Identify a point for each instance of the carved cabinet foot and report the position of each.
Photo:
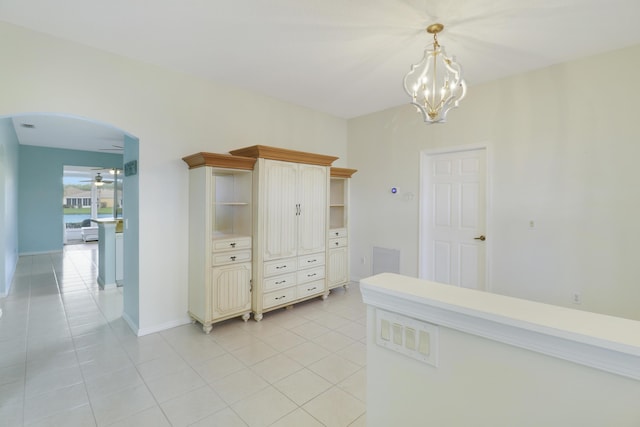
(257, 317)
(246, 316)
(207, 328)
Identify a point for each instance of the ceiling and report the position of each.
(345, 58)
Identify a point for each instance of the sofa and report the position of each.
(89, 231)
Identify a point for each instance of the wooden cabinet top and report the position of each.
(342, 172)
(274, 153)
(219, 160)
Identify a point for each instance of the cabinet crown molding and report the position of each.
(342, 172)
(275, 153)
(219, 160)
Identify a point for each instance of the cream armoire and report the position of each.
(291, 222)
(260, 224)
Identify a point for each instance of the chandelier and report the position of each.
(435, 84)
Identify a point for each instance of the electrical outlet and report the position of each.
(576, 298)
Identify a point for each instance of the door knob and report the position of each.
(481, 238)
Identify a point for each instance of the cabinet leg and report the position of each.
(207, 328)
(345, 286)
(257, 317)
(325, 296)
(246, 316)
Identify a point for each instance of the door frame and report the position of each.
(423, 210)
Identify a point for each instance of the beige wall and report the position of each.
(173, 115)
(563, 147)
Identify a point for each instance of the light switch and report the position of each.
(397, 334)
(424, 344)
(410, 338)
(385, 330)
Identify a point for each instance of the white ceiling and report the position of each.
(343, 57)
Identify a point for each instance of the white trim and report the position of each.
(130, 322)
(424, 155)
(57, 251)
(164, 326)
(554, 338)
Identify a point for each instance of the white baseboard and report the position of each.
(130, 322)
(162, 327)
(57, 251)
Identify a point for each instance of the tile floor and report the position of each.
(68, 359)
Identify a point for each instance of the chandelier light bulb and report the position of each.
(435, 84)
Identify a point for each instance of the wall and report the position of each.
(131, 215)
(440, 355)
(40, 228)
(562, 151)
(173, 115)
(480, 382)
(8, 204)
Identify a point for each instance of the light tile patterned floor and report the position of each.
(68, 359)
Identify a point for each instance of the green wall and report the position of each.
(40, 192)
(8, 204)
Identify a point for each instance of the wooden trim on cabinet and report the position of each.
(219, 160)
(274, 153)
(342, 172)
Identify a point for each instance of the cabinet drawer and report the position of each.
(279, 297)
(340, 242)
(309, 261)
(311, 274)
(278, 282)
(230, 244)
(337, 232)
(279, 266)
(231, 257)
(311, 288)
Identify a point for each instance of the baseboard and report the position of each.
(130, 322)
(162, 327)
(57, 251)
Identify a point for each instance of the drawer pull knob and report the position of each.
(233, 258)
(337, 243)
(311, 275)
(312, 260)
(281, 282)
(283, 296)
(281, 266)
(233, 245)
(311, 289)
(337, 234)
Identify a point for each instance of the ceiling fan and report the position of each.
(98, 180)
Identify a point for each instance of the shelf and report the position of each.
(223, 236)
(231, 203)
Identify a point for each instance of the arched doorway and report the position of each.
(44, 143)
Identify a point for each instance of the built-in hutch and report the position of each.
(220, 237)
(338, 253)
(262, 231)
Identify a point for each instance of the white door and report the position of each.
(453, 219)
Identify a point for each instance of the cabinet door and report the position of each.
(312, 220)
(280, 209)
(231, 291)
(338, 266)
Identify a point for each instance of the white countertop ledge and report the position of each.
(599, 341)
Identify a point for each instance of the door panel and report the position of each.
(312, 219)
(454, 215)
(280, 213)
